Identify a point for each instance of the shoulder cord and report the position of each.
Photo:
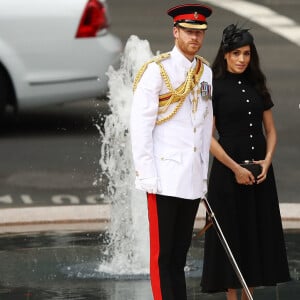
(176, 95)
(142, 70)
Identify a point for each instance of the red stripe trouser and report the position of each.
(171, 223)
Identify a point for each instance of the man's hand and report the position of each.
(150, 185)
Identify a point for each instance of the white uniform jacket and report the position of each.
(176, 151)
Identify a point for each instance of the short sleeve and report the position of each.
(268, 103)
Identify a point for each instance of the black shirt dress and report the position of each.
(248, 215)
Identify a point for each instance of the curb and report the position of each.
(96, 217)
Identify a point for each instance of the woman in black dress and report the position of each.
(246, 207)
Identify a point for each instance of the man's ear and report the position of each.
(175, 32)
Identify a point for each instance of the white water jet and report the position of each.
(128, 247)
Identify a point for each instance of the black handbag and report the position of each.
(255, 169)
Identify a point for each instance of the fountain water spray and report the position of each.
(127, 250)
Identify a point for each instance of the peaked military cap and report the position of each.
(192, 16)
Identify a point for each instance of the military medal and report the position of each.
(205, 90)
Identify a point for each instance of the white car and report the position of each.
(54, 51)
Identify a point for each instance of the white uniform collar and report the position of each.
(182, 60)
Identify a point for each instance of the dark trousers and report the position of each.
(171, 223)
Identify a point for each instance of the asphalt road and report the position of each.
(50, 156)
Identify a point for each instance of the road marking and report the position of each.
(26, 199)
(6, 199)
(59, 199)
(264, 16)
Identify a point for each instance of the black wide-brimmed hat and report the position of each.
(191, 16)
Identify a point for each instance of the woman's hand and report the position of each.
(244, 176)
(265, 164)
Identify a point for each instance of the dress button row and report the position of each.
(250, 124)
(249, 113)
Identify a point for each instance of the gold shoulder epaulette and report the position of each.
(157, 59)
(203, 60)
(160, 57)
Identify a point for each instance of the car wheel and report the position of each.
(5, 90)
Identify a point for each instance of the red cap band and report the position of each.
(191, 17)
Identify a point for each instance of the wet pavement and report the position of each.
(65, 265)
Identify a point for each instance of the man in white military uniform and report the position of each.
(171, 128)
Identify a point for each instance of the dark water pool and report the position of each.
(63, 265)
